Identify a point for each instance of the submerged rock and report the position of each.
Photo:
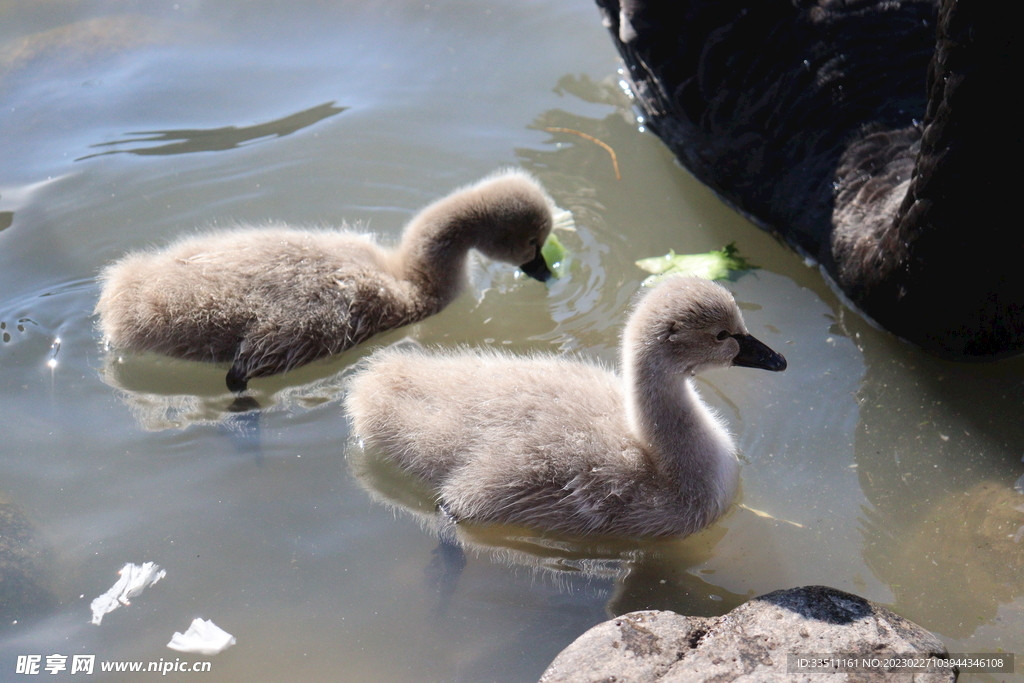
(24, 577)
(750, 643)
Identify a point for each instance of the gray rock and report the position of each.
(24, 575)
(749, 644)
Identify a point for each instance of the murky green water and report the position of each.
(877, 469)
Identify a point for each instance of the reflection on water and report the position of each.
(644, 574)
(218, 139)
(168, 393)
(896, 471)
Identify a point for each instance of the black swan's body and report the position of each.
(872, 135)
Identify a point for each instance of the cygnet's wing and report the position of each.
(493, 414)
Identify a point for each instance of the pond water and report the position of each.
(867, 465)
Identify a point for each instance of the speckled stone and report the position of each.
(749, 644)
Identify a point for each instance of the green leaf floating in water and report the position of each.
(714, 265)
(554, 255)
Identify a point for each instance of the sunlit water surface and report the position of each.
(868, 466)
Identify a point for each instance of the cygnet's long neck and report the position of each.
(433, 252)
(686, 442)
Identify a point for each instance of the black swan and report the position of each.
(866, 133)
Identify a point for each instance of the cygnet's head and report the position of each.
(514, 215)
(692, 325)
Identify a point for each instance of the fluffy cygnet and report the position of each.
(557, 444)
(274, 298)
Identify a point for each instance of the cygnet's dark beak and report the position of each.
(537, 268)
(754, 353)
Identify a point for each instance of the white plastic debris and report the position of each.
(134, 578)
(203, 637)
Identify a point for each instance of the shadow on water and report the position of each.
(186, 141)
(6, 218)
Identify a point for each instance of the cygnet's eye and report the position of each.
(533, 241)
(723, 335)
